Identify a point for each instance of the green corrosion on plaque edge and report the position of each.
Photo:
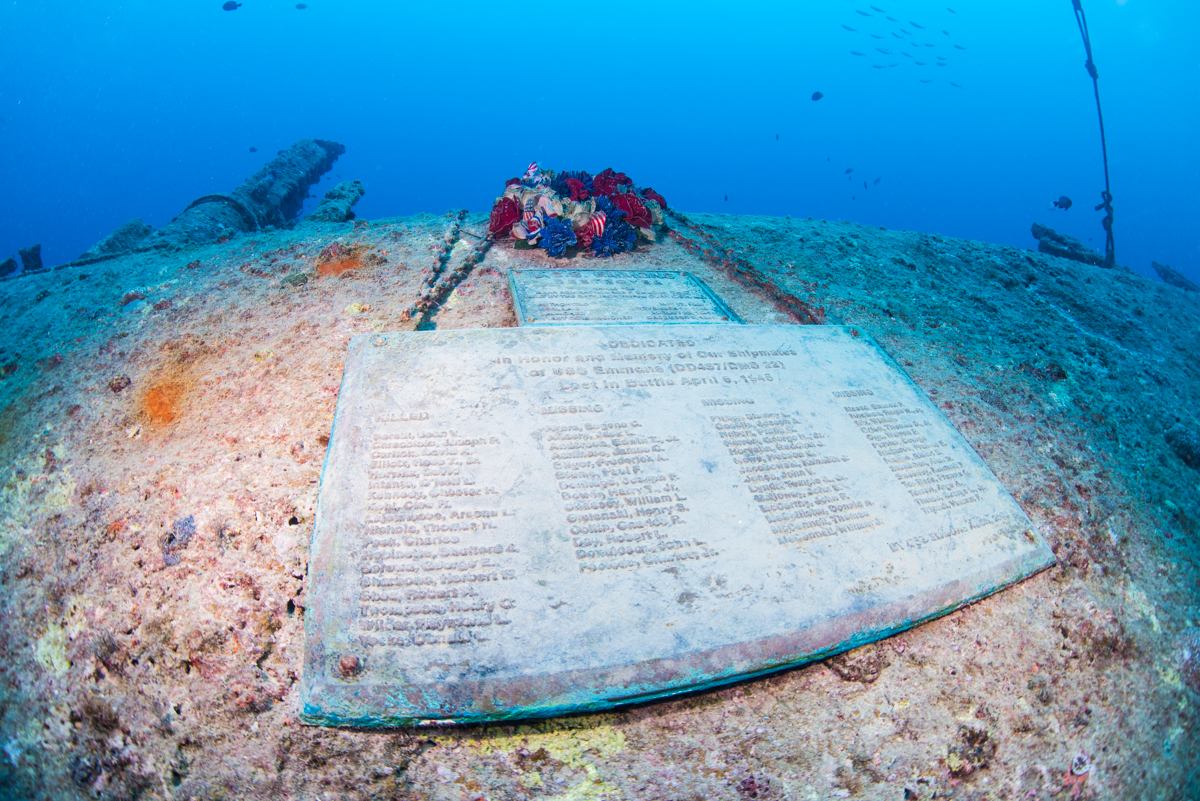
(314, 716)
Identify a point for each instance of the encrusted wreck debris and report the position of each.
(338, 203)
(1170, 275)
(123, 240)
(272, 197)
(1066, 247)
(31, 259)
(31, 262)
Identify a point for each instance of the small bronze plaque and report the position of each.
(614, 297)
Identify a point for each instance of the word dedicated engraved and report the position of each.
(532, 521)
(574, 297)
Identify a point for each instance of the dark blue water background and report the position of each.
(112, 110)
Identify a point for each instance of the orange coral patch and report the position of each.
(339, 266)
(162, 403)
(338, 259)
(164, 395)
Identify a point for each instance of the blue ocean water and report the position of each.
(122, 109)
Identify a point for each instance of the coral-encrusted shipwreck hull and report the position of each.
(151, 656)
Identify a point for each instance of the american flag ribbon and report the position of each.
(529, 210)
(596, 223)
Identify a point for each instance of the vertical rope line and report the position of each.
(1105, 205)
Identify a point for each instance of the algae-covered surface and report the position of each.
(164, 416)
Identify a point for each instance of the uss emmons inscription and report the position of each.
(574, 297)
(525, 522)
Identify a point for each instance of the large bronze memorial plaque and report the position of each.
(614, 297)
(526, 522)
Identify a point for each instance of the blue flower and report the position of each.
(618, 237)
(556, 237)
(559, 184)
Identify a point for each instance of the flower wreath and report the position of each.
(569, 212)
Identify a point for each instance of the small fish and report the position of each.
(877, 8)
(776, 137)
(930, 44)
(920, 63)
(864, 184)
(1063, 203)
(951, 10)
(892, 19)
(531, 170)
(727, 198)
(815, 97)
(898, 36)
(959, 47)
(883, 50)
(231, 6)
(857, 53)
(301, 6)
(253, 149)
(916, 24)
(848, 28)
(877, 36)
(906, 55)
(927, 80)
(876, 181)
(861, 13)
(849, 170)
(956, 85)
(879, 66)
(945, 32)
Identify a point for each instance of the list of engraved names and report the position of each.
(798, 481)
(440, 549)
(918, 456)
(428, 545)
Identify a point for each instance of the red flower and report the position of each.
(506, 212)
(636, 213)
(583, 237)
(608, 182)
(650, 194)
(578, 190)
